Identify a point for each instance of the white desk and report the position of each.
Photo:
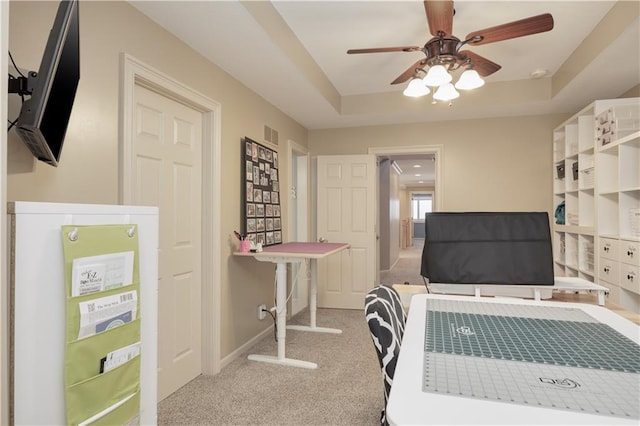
(409, 405)
(537, 292)
(294, 252)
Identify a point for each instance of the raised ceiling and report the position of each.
(293, 53)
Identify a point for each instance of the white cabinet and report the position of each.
(596, 155)
(38, 304)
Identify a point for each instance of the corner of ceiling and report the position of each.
(621, 16)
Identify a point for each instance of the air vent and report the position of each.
(270, 135)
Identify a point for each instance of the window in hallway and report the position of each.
(420, 205)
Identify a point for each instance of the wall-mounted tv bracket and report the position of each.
(23, 85)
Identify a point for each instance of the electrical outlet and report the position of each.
(261, 312)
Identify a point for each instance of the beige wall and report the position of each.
(88, 171)
(491, 164)
(634, 92)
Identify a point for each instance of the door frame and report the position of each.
(438, 150)
(298, 150)
(132, 72)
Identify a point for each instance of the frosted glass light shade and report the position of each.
(469, 80)
(437, 76)
(446, 92)
(416, 88)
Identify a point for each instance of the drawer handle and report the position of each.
(606, 248)
(630, 253)
(630, 277)
(607, 269)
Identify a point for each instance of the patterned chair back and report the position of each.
(386, 319)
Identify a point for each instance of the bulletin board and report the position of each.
(261, 214)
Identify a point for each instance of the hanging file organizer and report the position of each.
(102, 354)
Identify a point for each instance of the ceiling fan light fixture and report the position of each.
(437, 76)
(470, 79)
(416, 88)
(446, 92)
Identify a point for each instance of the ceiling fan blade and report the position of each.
(439, 16)
(409, 72)
(482, 65)
(385, 49)
(533, 25)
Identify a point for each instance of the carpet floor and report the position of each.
(345, 389)
(406, 270)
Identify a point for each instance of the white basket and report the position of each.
(587, 178)
(634, 221)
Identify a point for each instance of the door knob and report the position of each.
(322, 240)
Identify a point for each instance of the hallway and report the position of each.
(407, 268)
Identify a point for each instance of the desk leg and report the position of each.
(536, 295)
(281, 322)
(313, 303)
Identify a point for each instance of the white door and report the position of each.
(298, 228)
(167, 170)
(346, 212)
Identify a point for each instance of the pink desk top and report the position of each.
(299, 249)
(306, 248)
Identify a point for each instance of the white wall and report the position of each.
(4, 332)
(384, 224)
(394, 216)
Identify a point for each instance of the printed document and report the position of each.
(98, 273)
(119, 356)
(104, 313)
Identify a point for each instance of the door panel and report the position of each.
(167, 147)
(346, 213)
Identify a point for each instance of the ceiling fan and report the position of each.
(444, 48)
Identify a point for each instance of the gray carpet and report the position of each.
(407, 269)
(345, 389)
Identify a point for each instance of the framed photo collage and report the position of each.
(261, 214)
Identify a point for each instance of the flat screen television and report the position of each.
(44, 117)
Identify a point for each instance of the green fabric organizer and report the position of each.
(93, 397)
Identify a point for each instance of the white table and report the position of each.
(409, 405)
(537, 292)
(294, 252)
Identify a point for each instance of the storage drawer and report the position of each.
(630, 277)
(630, 252)
(609, 248)
(608, 270)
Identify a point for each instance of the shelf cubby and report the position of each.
(629, 214)
(629, 171)
(608, 165)
(585, 208)
(597, 152)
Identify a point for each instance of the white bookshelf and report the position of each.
(598, 149)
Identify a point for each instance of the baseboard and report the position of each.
(383, 271)
(235, 354)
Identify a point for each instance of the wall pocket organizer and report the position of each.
(102, 353)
